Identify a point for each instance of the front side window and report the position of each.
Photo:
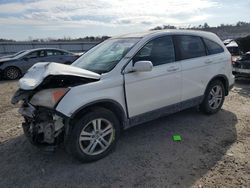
(213, 47)
(159, 51)
(189, 47)
(105, 56)
(32, 55)
(42, 53)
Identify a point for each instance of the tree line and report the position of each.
(204, 26)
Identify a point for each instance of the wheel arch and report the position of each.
(109, 104)
(224, 81)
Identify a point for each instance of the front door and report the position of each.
(31, 59)
(161, 87)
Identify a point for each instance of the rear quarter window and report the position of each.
(189, 47)
(213, 47)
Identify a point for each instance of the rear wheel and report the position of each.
(214, 97)
(94, 135)
(12, 73)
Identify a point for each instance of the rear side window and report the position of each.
(58, 52)
(53, 52)
(213, 47)
(159, 51)
(189, 47)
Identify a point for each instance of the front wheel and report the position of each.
(94, 135)
(12, 73)
(214, 97)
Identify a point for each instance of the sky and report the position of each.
(24, 19)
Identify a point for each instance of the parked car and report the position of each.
(120, 83)
(241, 68)
(14, 67)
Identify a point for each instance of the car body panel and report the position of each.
(198, 72)
(39, 71)
(148, 91)
(107, 88)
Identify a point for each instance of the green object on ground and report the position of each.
(177, 138)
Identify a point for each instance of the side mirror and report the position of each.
(143, 66)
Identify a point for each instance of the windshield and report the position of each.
(22, 54)
(18, 53)
(104, 57)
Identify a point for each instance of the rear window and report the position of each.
(189, 47)
(213, 47)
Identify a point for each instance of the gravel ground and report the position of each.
(214, 152)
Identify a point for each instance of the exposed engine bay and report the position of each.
(42, 126)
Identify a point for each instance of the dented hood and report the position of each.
(38, 72)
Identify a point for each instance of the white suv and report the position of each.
(122, 82)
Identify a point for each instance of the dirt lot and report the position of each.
(215, 151)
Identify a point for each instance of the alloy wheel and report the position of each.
(96, 136)
(12, 73)
(215, 97)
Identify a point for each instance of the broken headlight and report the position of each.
(48, 97)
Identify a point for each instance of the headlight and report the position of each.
(48, 97)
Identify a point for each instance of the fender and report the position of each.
(224, 80)
(110, 104)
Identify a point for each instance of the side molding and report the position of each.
(148, 116)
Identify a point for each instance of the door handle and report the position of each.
(172, 69)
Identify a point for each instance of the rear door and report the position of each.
(161, 87)
(191, 53)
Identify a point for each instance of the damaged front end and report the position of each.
(41, 89)
(43, 126)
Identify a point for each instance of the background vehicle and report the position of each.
(120, 83)
(233, 48)
(14, 67)
(241, 68)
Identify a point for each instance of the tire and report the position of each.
(86, 144)
(12, 73)
(214, 97)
